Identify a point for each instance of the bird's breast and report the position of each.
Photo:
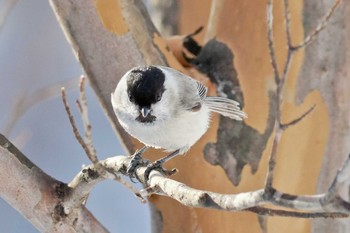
(176, 132)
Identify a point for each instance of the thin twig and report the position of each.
(85, 118)
(294, 214)
(286, 69)
(279, 85)
(272, 160)
(297, 120)
(273, 59)
(287, 23)
(290, 52)
(72, 122)
(79, 106)
(319, 28)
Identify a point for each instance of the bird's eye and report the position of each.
(158, 97)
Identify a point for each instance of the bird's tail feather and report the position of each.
(226, 107)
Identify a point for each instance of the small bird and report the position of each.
(166, 109)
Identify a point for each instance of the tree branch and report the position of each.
(321, 205)
(37, 196)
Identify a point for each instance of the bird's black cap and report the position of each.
(145, 85)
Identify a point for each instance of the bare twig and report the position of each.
(279, 83)
(287, 23)
(72, 122)
(318, 29)
(283, 213)
(297, 120)
(272, 160)
(290, 53)
(79, 106)
(85, 118)
(273, 59)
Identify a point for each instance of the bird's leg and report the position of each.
(158, 164)
(135, 161)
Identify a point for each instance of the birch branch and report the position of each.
(39, 197)
(321, 205)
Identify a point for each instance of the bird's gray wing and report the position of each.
(194, 94)
(191, 92)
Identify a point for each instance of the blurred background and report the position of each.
(35, 61)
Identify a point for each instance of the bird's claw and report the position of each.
(135, 162)
(158, 165)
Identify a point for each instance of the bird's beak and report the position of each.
(145, 111)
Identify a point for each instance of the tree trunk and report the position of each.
(310, 152)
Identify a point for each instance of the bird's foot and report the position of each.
(158, 165)
(136, 161)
